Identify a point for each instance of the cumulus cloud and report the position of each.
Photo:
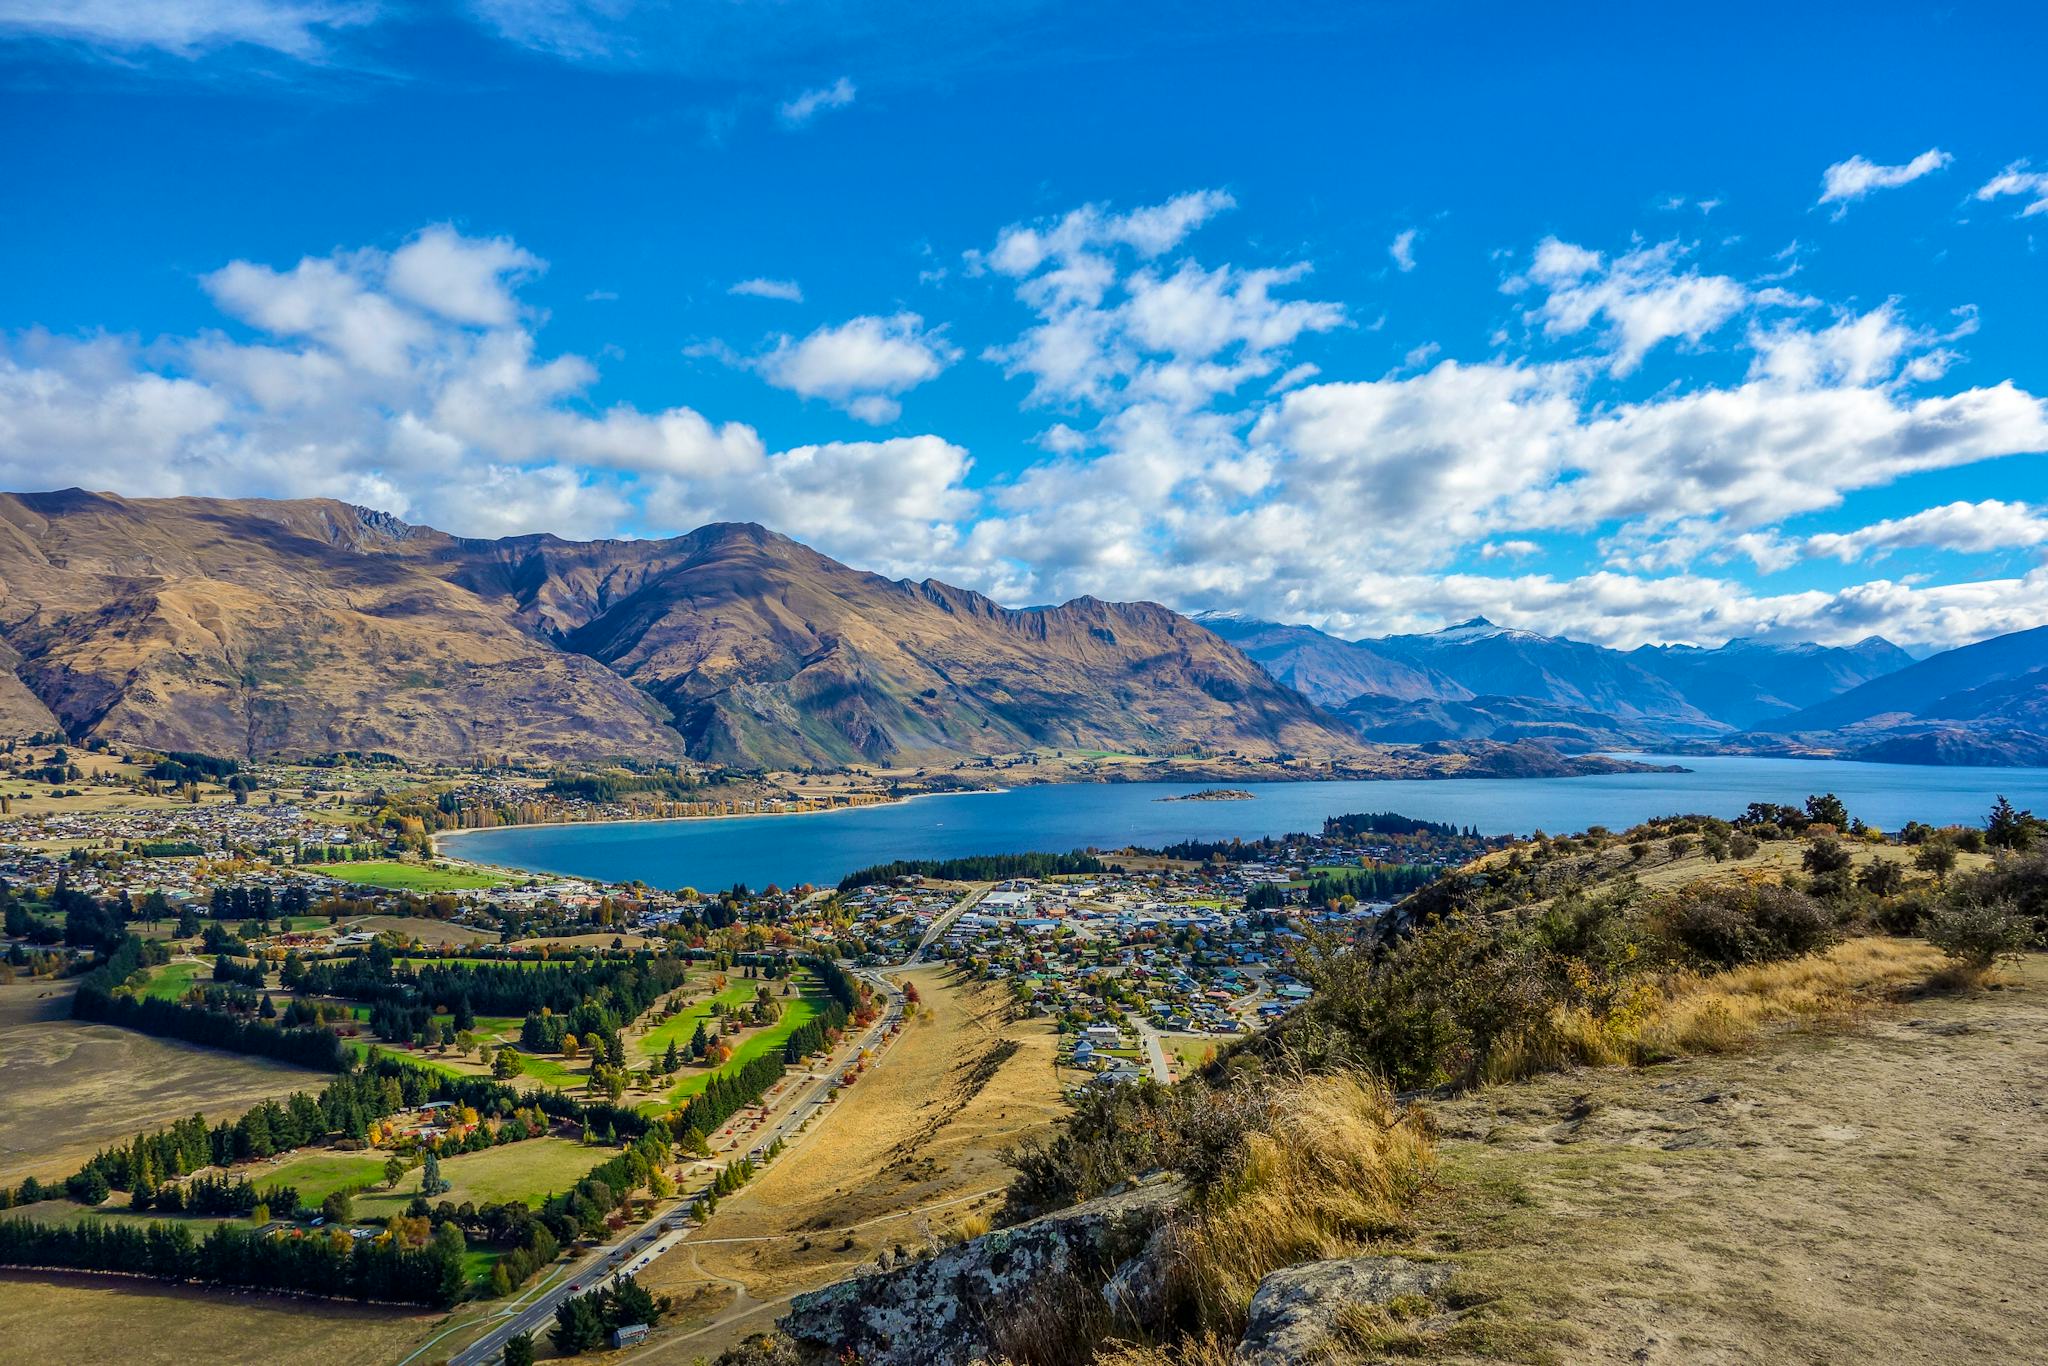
(410, 381)
(2018, 180)
(863, 364)
(464, 279)
(1969, 528)
(1196, 454)
(1345, 500)
(801, 109)
(1643, 295)
(187, 28)
(759, 288)
(1845, 182)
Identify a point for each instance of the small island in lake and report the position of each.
(1211, 794)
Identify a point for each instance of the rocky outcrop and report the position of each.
(949, 1308)
(1296, 1312)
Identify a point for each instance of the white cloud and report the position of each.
(414, 379)
(1848, 181)
(800, 110)
(1178, 338)
(464, 279)
(1643, 295)
(759, 288)
(862, 364)
(1968, 528)
(1508, 550)
(409, 381)
(2017, 180)
(1152, 231)
(187, 28)
(1402, 249)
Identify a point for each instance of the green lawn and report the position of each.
(528, 1171)
(318, 1175)
(171, 981)
(115, 1211)
(552, 1071)
(797, 1012)
(415, 877)
(360, 1048)
(681, 1027)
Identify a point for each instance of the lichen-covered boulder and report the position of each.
(1294, 1312)
(939, 1311)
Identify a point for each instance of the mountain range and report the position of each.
(1985, 703)
(307, 627)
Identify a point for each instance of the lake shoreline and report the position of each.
(1057, 818)
(1108, 779)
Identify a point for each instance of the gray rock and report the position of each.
(1294, 1311)
(937, 1312)
(1136, 1291)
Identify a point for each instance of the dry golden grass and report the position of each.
(1340, 1166)
(68, 1087)
(1714, 1013)
(1696, 1013)
(1206, 1349)
(907, 1157)
(59, 1318)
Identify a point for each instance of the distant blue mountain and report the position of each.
(1480, 680)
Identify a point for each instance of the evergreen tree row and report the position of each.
(231, 1255)
(977, 868)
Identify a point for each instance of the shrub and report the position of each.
(1976, 934)
(1755, 922)
(1825, 854)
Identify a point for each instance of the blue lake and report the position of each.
(823, 847)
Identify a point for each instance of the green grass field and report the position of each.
(681, 1027)
(416, 877)
(553, 1071)
(797, 1012)
(171, 981)
(529, 1171)
(360, 1048)
(113, 1212)
(319, 1174)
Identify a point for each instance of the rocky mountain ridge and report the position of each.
(1474, 682)
(304, 627)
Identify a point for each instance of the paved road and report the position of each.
(944, 923)
(1155, 1052)
(633, 1251)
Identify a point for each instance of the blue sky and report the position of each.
(1635, 326)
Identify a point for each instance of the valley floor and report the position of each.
(1870, 1193)
(901, 1161)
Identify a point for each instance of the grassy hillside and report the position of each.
(1505, 1001)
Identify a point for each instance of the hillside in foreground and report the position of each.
(1690, 1093)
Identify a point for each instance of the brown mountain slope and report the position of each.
(306, 627)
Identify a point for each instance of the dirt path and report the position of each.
(1873, 1194)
